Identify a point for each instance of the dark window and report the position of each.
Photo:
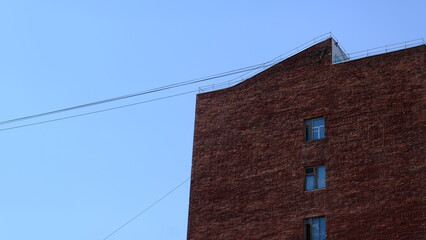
(315, 228)
(314, 178)
(314, 129)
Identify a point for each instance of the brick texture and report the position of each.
(249, 153)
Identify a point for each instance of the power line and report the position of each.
(94, 112)
(248, 69)
(146, 209)
(158, 89)
(113, 108)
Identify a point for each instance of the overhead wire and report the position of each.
(158, 89)
(98, 111)
(108, 109)
(246, 70)
(233, 72)
(146, 209)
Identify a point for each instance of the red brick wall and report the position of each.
(249, 155)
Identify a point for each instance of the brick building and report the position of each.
(311, 149)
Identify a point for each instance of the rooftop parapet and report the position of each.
(339, 55)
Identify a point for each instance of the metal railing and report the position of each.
(380, 50)
(294, 51)
(266, 65)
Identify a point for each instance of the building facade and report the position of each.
(308, 149)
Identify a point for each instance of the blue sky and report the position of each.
(82, 178)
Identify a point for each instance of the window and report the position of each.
(315, 228)
(314, 129)
(314, 178)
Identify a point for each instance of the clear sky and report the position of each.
(82, 178)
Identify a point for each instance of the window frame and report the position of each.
(315, 174)
(310, 219)
(308, 127)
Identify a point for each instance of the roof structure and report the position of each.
(339, 55)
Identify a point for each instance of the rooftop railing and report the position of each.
(350, 56)
(266, 65)
(383, 49)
